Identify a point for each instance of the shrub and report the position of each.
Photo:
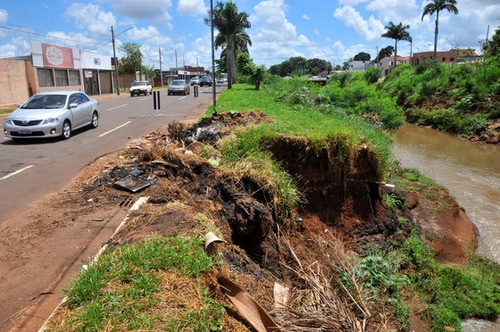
(372, 74)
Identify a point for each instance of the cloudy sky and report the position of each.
(334, 30)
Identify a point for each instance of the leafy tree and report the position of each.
(132, 61)
(232, 37)
(258, 76)
(246, 66)
(436, 6)
(492, 47)
(275, 70)
(384, 52)
(298, 64)
(372, 74)
(362, 56)
(148, 71)
(316, 66)
(397, 32)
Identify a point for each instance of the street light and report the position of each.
(114, 56)
(213, 55)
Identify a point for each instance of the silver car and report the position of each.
(52, 114)
(178, 87)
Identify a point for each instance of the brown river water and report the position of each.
(471, 173)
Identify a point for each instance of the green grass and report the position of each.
(452, 294)
(122, 288)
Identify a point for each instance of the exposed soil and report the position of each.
(342, 201)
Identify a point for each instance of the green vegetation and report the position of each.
(461, 99)
(122, 290)
(452, 294)
(6, 111)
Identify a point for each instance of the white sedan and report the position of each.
(52, 114)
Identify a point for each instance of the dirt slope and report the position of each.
(342, 201)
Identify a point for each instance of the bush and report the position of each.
(372, 74)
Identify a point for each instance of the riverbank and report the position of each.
(357, 232)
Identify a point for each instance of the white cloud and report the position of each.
(369, 29)
(3, 19)
(274, 37)
(3, 16)
(395, 10)
(351, 2)
(306, 17)
(149, 34)
(191, 7)
(154, 10)
(92, 19)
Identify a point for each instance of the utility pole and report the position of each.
(161, 70)
(213, 51)
(115, 60)
(176, 68)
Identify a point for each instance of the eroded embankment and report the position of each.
(343, 199)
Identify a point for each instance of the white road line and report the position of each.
(113, 108)
(110, 131)
(16, 172)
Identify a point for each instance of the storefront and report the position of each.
(63, 68)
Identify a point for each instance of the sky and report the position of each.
(175, 31)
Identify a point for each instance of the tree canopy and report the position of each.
(397, 32)
(232, 37)
(132, 60)
(362, 56)
(301, 66)
(434, 7)
(384, 52)
(492, 47)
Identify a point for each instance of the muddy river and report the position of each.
(471, 172)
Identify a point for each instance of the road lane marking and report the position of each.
(113, 108)
(16, 172)
(116, 128)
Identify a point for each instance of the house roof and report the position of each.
(400, 58)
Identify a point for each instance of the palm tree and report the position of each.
(231, 36)
(435, 6)
(397, 32)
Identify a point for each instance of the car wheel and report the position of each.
(131, 95)
(95, 120)
(66, 129)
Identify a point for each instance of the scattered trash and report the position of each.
(211, 238)
(248, 307)
(281, 296)
(97, 219)
(132, 183)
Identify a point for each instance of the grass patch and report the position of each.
(122, 291)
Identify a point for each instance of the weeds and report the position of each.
(122, 289)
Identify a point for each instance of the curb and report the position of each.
(136, 206)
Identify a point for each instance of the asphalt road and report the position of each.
(33, 168)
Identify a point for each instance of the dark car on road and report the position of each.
(205, 80)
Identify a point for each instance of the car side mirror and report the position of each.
(73, 105)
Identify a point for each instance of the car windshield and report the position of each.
(45, 102)
(139, 83)
(178, 83)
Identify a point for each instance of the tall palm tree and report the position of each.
(436, 6)
(231, 36)
(397, 32)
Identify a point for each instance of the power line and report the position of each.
(31, 32)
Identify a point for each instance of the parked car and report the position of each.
(206, 80)
(141, 87)
(178, 87)
(52, 114)
(194, 80)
